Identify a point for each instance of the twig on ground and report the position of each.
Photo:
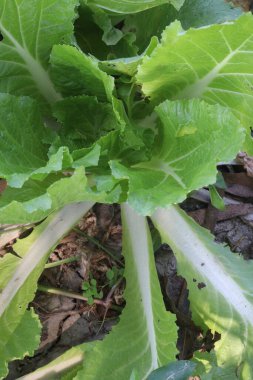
(66, 293)
(61, 262)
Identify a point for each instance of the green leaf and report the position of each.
(183, 158)
(156, 18)
(127, 66)
(86, 156)
(179, 370)
(18, 283)
(30, 29)
(220, 182)
(216, 200)
(35, 200)
(196, 13)
(81, 128)
(144, 323)
(224, 76)
(23, 153)
(75, 73)
(111, 35)
(132, 6)
(27, 149)
(24, 341)
(95, 28)
(220, 291)
(110, 274)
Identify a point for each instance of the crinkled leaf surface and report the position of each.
(184, 65)
(132, 6)
(22, 150)
(75, 73)
(84, 120)
(19, 329)
(30, 29)
(220, 285)
(148, 329)
(183, 158)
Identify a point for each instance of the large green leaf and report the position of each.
(180, 370)
(29, 162)
(23, 341)
(79, 128)
(156, 18)
(132, 6)
(221, 292)
(75, 73)
(196, 13)
(19, 329)
(184, 65)
(183, 158)
(37, 199)
(23, 151)
(30, 29)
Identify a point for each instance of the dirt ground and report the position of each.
(95, 248)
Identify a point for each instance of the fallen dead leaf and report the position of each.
(247, 162)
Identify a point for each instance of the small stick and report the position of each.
(65, 293)
(61, 262)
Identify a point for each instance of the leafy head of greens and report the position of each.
(96, 107)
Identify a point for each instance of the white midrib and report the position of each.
(181, 236)
(56, 369)
(57, 227)
(196, 89)
(161, 166)
(38, 73)
(137, 227)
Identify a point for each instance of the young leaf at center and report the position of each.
(183, 158)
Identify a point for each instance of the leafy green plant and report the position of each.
(113, 275)
(95, 108)
(90, 290)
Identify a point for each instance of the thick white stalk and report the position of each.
(35, 68)
(178, 232)
(137, 226)
(53, 370)
(60, 223)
